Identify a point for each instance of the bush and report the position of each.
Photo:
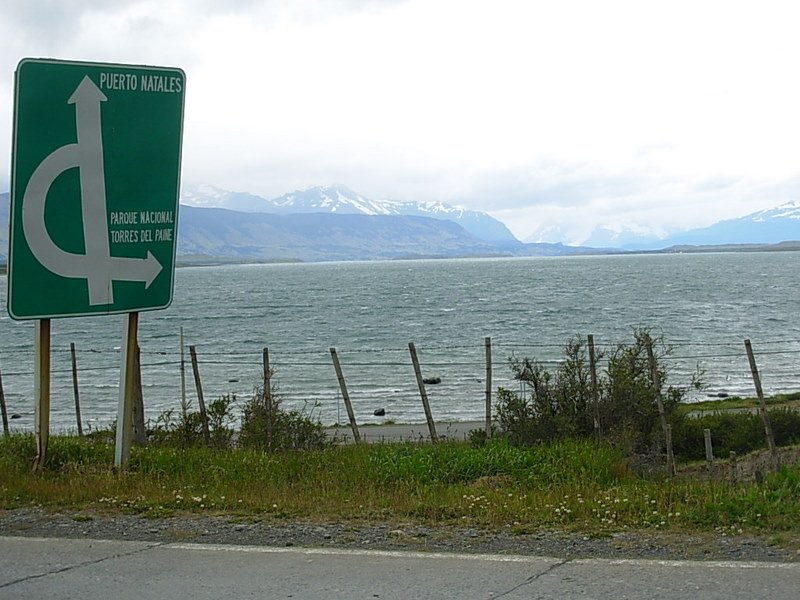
(478, 438)
(267, 427)
(628, 404)
(553, 406)
(785, 426)
(740, 432)
(560, 404)
(187, 429)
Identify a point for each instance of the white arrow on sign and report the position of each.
(97, 266)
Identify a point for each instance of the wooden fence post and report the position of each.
(709, 451)
(6, 429)
(423, 394)
(762, 405)
(267, 383)
(670, 456)
(595, 395)
(347, 404)
(184, 403)
(488, 345)
(267, 376)
(75, 392)
(139, 431)
(200, 400)
(667, 429)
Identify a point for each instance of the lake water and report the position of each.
(704, 305)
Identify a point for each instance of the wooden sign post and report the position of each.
(127, 392)
(41, 390)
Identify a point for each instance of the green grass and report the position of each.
(737, 403)
(740, 432)
(566, 485)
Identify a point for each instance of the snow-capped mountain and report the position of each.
(208, 196)
(789, 210)
(770, 226)
(331, 198)
(338, 199)
(320, 236)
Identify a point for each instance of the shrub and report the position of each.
(267, 427)
(739, 432)
(478, 438)
(187, 429)
(560, 404)
(552, 405)
(628, 404)
(221, 420)
(785, 426)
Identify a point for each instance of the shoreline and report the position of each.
(404, 432)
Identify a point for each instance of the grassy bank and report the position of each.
(567, 485)
(734, 403)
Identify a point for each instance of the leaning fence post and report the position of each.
(348, 405)
(659, 400)
(488, 344)
(75, 388)
(657, 389)
(200, 400)
(762, 405)
(423, 394)
(6, 430)
(595, 397)
(267, 376)
(709, 451)
(184, 403)
(139, 430)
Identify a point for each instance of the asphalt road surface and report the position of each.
(45, 568)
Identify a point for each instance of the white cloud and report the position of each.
(581, 112)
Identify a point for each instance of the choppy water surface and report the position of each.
(705, 305)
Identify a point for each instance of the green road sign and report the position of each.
(94, 188)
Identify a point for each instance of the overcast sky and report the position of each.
(570, 114)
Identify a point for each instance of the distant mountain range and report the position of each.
(206, 233)
(335, 223)
(337, 199)
(329, 223)
(770, 226)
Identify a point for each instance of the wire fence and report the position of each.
(378, 378)
(316, 357)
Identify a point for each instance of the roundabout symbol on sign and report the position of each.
(95, 180)
(96, 265)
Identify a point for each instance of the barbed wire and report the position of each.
(209, 357)
(495, 344)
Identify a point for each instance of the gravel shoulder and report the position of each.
(398, 536)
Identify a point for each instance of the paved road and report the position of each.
(41, 569)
